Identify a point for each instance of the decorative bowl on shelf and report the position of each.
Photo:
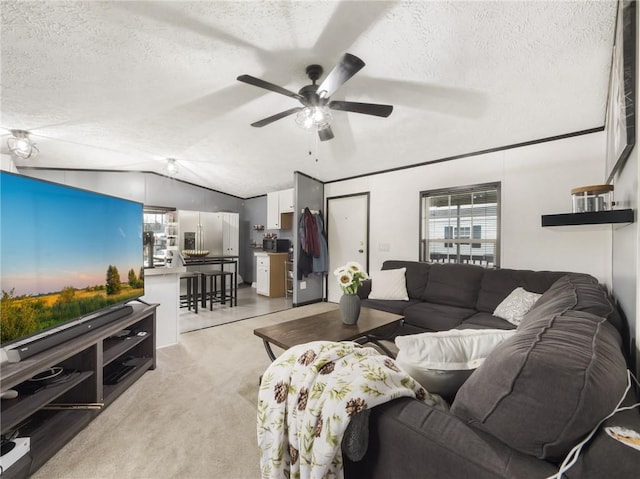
(195, 253)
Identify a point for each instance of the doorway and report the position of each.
(348, 236)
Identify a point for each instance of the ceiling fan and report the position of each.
(316, 98)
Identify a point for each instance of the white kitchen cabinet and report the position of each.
(262, 274)
(273, 210)
(231, 238)
(230, 233)
(280, 207)
(270, 279)
(285, 199)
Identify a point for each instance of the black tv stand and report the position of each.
(53, 415)
(119, 374)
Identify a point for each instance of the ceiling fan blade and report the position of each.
(429, 97)
(176, 17)
(366, 108)
(275, 117)
(268, 86)
(348, 22)
(348, 66)
(325, 134)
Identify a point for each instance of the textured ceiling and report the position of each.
(125, 85)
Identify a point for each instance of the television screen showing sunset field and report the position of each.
(64, 253)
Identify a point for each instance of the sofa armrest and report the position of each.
(364, 289)
(407, 438)
(603, 456)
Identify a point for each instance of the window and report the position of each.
(461, 225)
(155, 220)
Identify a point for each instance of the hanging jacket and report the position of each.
(309, 238)
(305, 258)
(320, 265)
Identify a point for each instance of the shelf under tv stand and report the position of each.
(53, 415)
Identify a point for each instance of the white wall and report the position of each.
(7, 164)
(626, 240)
(626, 248)
(535, 180)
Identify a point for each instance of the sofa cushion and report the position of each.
(454, 284)
(485, 320)
(416, 275)
(496, 285)
(578, 292)
(389, 284)
(546, 387)
(435, 317)
(396, 307)
(606, 457)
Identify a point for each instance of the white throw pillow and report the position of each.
(442, 361)
(389, 284)
(516, 305)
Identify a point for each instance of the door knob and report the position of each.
(360, 250)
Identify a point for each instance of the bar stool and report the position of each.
(216, 296)
(209, 288)
(191, 298)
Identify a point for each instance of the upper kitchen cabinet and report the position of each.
(285, 199)
(273, 210)
(280, 209)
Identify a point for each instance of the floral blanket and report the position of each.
(309, 394)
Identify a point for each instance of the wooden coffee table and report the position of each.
(328, 326)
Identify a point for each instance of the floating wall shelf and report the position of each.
(589, 218)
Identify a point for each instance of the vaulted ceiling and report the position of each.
(123, 85)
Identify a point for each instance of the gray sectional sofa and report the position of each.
(444, 296)
(537, 395)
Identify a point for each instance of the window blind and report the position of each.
(461, 225)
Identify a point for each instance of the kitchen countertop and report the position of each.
(211, 260)
(164, 270)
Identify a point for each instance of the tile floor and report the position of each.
(250, 304)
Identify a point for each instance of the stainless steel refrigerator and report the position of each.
(200, 230)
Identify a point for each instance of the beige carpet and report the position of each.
(192, 417)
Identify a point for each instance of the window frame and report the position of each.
(423, 237)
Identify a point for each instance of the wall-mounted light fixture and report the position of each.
(20, 145)
(172, 167)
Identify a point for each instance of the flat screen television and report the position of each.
(67, 257)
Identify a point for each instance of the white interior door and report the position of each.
(348, 232)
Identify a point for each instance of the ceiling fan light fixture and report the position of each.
(21, 145)
(317, 117)
(172, 167)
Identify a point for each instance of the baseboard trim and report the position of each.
(313, 301)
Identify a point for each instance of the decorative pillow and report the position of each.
(516, 305)
(441, 362)
(389, 284)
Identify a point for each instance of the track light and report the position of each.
(172, 167)
(21, 145)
